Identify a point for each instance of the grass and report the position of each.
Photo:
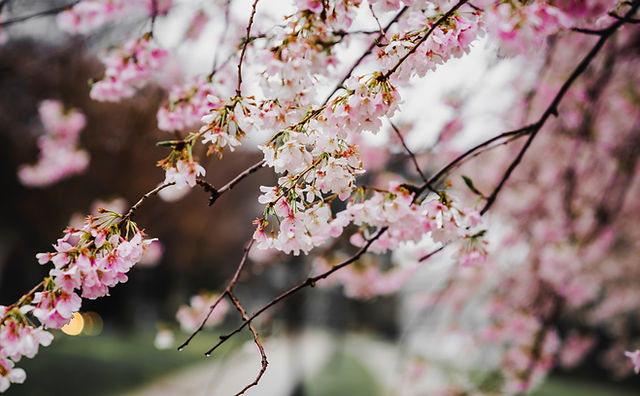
(555, 386)
(107, 364)
(342, 376)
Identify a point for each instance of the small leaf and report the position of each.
(469, 183)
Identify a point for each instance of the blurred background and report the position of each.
(319, 343)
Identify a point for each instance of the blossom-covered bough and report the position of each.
(553, 199)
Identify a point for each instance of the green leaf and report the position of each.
(469, 183)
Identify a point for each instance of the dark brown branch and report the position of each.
(263, 361)
(430, 184)
(226, 291)
(50, 11)
(244, 48)
(431, 254)
(424, 38)
(413, 157)
(309, 282)
(216, 193)
(146, 196)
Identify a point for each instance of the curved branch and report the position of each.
(50, 11)
(309, 282)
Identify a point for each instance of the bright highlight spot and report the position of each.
(75, 326)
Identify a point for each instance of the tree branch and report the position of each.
(309, 282)
(413, 157)
(226, 291)
(244, 48)
(256, 340)
(552, 109)
(50, 11)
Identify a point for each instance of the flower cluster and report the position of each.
(190, 316)
(89, 15)
(91, 259)
(407, 220)
(128, 68)
(187, 105)
(452, 38)
(366, 101)
(226, 123)
(318, 168)
(59, 157)
(525, 27)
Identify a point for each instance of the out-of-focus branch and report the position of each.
(552, 109)
(406, 148)
(51, 11)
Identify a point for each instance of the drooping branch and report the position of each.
(256, 339)
(309, 282)
(227, 290)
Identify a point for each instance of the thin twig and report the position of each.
(381, 30)
(263, 361)
(222, 39)
(430, 184)
(50, 11)
(413, 157)
(146, 196)
(244, 47)
(216, 193)
(309, 282)
(226, 291)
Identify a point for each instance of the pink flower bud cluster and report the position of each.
(451, 38)
(59, 157)
(95, 257)
(190, 316)
(187, 105)
(128, 68)
(91, 259)
(523, 28)
(409, 221)
(89, 15)
(293, 63)
(338, 13)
